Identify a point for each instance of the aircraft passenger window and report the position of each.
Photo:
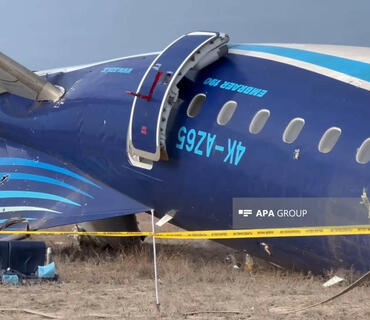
(293, 130)
(259, 120)
(363, 153)
(329, 139)
(195, 105)
(226, 112)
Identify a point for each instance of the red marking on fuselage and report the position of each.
(150, 95)
(143, 130)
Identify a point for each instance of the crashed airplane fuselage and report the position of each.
(224, 136)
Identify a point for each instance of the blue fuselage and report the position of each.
(209, 165)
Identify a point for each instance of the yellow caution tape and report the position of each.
(267, 233)
(80, 233)
(219, 234)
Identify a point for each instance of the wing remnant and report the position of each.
(18, 80)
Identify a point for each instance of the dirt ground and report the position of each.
(194, 278)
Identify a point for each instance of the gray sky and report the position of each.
(52, 33)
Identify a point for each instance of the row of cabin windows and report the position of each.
(291, 132)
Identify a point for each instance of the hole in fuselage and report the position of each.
(4, 178)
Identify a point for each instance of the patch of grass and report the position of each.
(193, 275)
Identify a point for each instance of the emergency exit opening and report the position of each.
(158, 93)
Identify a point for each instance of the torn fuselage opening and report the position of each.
(115, 224)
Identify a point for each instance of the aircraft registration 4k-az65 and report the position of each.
(216, 136)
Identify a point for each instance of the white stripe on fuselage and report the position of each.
(307, 66)
(25, 208)
(361, 54)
